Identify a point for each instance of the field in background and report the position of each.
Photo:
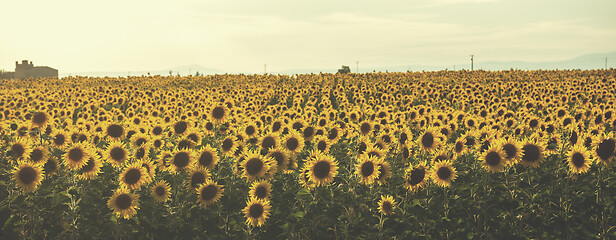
(436, 155)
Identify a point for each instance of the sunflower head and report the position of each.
(261, 189)
(532, 152)
(415, 177)
(387, 205)
(604, 148)
(443, 173)
(28, 176)
(124, 203)
(209, 192)
(493, 159)
(579, 160)
(323, 169)
(255, 166)
(207, 157)
(161, 191)
(368, 168)
(77, 156)
(256, 211)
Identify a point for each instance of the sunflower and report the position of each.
(77, 156)
(115, 131)
(228, 146)
(387, 205)
(197, 177)
(323, 168)
(443, 173)
(28, 176)
(604, 148)
(40, 119)
(368, 169)
(181, 127)
(532, 152)
(415, 177)
(150, 168)
(293, 142)
(255, 166)
(59, 138)
(209, 192)
(20, 148)
(219, 114)
(493, 159)
(133, 176)
(51, 166)
(116, 153)
(513, 151)
(322, 144)
(250, 130)
(161, 191)
(430, 139)
(256, 211)
(334, 134)
(305, 177)
(365, 127)
(261, 189)
(139, 139)
(384, 172)
(208, 157)
(268, 141)
(124, 203)
(92, 167)
(39, 155)
(181, 160)
(579, 159)
(281, 156)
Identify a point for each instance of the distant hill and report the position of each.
(584, 62)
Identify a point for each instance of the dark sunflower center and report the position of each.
(227, 144)
(132, 176)
(140, 153)
(605, 149)
(206, 158)
(573, 138)
(493, 159)
(367, 169)
(250, 130)
(59, 139)
(255, 210)
(531, 153)
(157, 130)
(279, 157)
(443, 173)
(470, 141)
(209, 126)
(209, 192)
(403, 138)
(387, 207)
(181, 160)
(459, 147)
(75, 154)
(218, 112)
(140, 141)
(427, 140)
(50, 166)
(333, 133)
(261, 192)
(405, 153)
(117, 154)
(362, 147)
(577, 159)
(89, 165)
(533, 123)
(298, 126)
(160, 191)
(115, 130)
(123, 201)
(39, 118)
(36, 155)
(417, 175)
(510, 150)
(196, 179)
(27, 175)
(321, 169)
(268, 142)
(292, 143)
(365, 128)
(322, 145)
(254, 166)
(180, 127)
(276, 126)
(18, 150)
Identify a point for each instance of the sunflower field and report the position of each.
(416, 155)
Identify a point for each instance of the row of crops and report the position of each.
(434, 155)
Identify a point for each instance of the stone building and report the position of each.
(28, 70)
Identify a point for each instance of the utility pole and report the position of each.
(265, 68)
(356, 66)
(190, 71)
(605, 63)
(472, 56)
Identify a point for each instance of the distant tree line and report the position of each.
(6, 75)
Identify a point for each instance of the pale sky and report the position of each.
(242, 36)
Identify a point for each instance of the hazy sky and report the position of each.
(241, 36)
